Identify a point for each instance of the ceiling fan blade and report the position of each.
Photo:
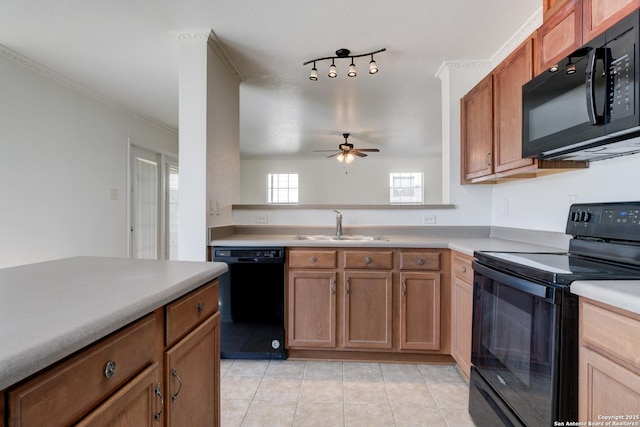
(333, 155)
(358, 153)
(370, 150)
(325, 151)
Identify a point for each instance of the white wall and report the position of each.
(327, 181)
(62, 153)
(542, 203)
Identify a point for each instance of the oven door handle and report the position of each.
(524, 285)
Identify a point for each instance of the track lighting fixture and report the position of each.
(343, 54)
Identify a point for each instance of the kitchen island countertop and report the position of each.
(51, 309)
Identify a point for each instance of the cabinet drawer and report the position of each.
(185, 314)
(410, 260)
(312, 259)
(63, 393)
(368, 259)
(462, 268)
(610, 331)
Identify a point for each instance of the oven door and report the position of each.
(515, 347)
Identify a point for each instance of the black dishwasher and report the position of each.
(252, 302)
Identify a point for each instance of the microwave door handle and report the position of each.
(595, 119)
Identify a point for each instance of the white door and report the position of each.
(145, 206)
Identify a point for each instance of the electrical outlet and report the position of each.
(428, 219)
(115, 195)
(262, 219)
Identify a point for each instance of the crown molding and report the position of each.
(473, 65)
(60, 79)
(216, 45)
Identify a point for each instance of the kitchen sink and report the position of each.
(334, 237)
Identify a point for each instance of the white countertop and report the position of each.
(51, 309)
(466, 245)
(624, 294)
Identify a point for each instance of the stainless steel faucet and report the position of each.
(338, 223)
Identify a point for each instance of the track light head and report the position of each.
(332, 70)
(352, 69)
(314, 73)
(373, 67)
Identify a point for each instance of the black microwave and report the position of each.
(586, 108)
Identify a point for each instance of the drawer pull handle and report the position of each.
(347, 287)
(175, 396)
(464, 268)
(313, 259)
(333, 286)
(200, 307)
(368, 260)
(159, 394)
(420, 261)
(110, 369)
(404, 287)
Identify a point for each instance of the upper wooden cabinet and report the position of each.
(598, 15)
(560, 35)
(476, 133)
(568, 24)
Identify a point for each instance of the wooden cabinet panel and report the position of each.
(419, 311)
(300, 258)
(192, 377)
(461, 265)
(368, 310)
(311, 309)
(598, 15)
(184, 314)
(138, 403)
(606, 388)
(508, 78)
(462, 301)
(419, 260)
(560, 35)
(368, 259)
(607, 329)
(476, 138)
(64, 393)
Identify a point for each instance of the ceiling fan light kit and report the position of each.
(343, 54)
(346, 151)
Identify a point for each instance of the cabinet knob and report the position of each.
(464, 268)
(200, 307)
(110, 369)
(420, 261)
(368, 260)
(313, 259)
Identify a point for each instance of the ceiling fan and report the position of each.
(346, 151)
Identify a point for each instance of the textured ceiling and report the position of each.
(127, 50)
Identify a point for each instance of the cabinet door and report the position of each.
(367, 317)
(192, 377)
(560, 35)
(598, 15)
(462, 301)
(138, 403)
(606, 388)
(419, 311)
(508, 78)
(311, 309)
(476, 136)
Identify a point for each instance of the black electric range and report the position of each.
(525, 318)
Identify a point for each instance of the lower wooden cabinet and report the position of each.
(461, 310)
(119, 381)
(609, 363)
(368, 301)
(419, 311)
(138, 403)
(367, 320)
(311, 309)
(192, 377)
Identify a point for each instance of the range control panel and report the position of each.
(607, 221)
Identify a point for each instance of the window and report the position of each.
(282, 188)
(406, 188)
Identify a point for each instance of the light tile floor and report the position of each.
(315, 393)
